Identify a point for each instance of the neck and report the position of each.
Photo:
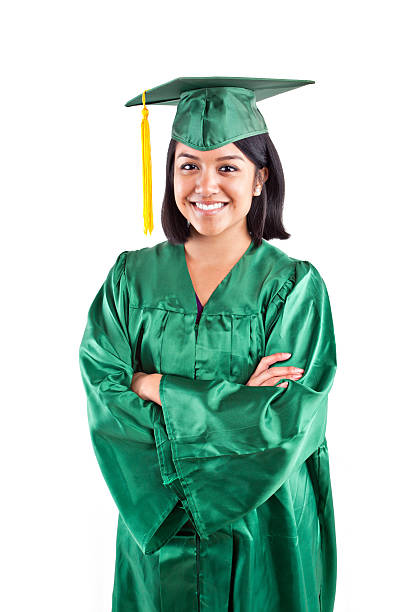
(226, 247)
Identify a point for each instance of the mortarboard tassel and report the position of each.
(147, 171)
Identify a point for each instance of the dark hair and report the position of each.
(264, 218)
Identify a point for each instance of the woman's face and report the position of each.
(224, 175)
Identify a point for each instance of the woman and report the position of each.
(215, 456)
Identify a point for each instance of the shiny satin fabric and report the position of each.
(246, 466)
(211, 117)
(213, 111)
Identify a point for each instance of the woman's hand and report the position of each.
(146, 386)
(265, 376)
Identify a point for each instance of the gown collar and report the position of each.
(227, 292)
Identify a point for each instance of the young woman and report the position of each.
(207, 360)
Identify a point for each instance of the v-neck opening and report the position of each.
(199, 301)
(226, 277)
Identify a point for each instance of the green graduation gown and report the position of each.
(247, 466)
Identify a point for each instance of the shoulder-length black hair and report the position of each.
(264, 218)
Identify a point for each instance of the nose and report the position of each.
(207, 182)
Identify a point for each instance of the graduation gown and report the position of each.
(246, 466)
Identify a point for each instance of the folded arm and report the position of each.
(121, 423)
(225, 447)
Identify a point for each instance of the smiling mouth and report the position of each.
(211, 206)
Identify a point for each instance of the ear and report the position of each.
(265, 173)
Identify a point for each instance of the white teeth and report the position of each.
(209, 206)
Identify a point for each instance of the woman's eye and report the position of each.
(184, 166)
(231, 167)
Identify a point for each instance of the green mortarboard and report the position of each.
(211, 112)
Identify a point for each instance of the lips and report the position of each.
(213, 210)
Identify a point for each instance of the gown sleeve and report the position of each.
(121, 423)
(228, 446)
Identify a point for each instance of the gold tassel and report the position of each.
(147, 171)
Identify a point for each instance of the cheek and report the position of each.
(241, 188)
(182, 186)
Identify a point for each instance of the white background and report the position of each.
(72, 201)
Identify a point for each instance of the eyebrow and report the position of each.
(218, 158)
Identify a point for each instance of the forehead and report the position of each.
(226, 151)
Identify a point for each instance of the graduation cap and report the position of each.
(211, 112)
